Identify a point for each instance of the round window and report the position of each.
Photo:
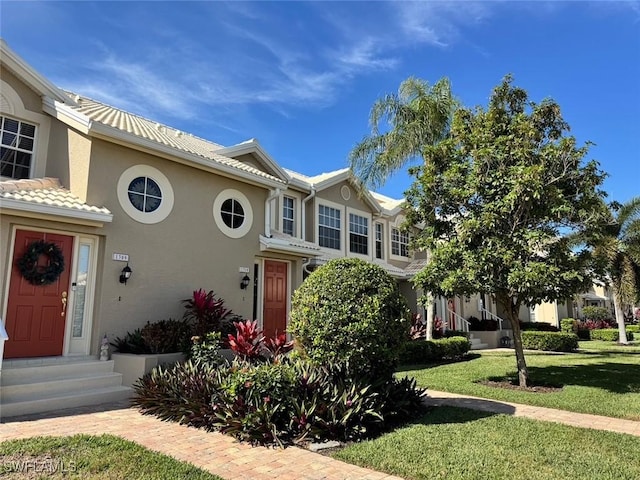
(232, 213)
(145, 194)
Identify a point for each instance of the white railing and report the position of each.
(495, 317)
(3, 338)
(462, 321)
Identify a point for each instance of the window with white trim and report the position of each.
(399, 243)
(379, 241)
(16, 151)
(328, 227)
(288, 212)
(145, 194)
(232, 213)
(358, 234)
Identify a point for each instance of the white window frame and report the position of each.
(294, 212)
(231, 193)
(396, 226)
(369, 218)
(166, 204)
(336, 206)
(11, 106)
(375, 240)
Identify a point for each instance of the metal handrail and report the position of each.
(495, 317)
(465, 324)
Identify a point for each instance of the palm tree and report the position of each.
(417, 116)
(619, 248)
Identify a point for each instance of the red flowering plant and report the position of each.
(205, 312)
(278, 346)
(248, 342)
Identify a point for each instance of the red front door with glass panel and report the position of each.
(275, 298)
(36, 313)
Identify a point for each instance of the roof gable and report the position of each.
(251, 152)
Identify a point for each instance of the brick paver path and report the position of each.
(217, 453)
(223, 456)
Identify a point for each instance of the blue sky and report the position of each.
(301, 76)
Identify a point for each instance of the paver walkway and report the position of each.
(223, 456)
(217, 453)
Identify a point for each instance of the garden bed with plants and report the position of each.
(349, 322)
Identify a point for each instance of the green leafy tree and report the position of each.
(618, 247)
(417, 116)
(497, 198)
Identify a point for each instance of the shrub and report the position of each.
(537, 327)
(278, 403)
(350, 311)
(633, 328)
(595, 324)
(206, 349)
(569, 325)
(550, 341)
(166, 336)
(609, 335)
(486, 325)
(596, 313)
(131, 343)
(205, 313)
(427, 351)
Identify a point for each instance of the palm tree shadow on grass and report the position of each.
(613, 377)
(448, 414)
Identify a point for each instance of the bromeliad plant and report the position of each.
(250, 344)
(206, 313)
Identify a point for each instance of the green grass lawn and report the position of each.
(605, 380)
(455, 443)
(96, 457)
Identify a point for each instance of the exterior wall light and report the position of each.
(125, 274)
(244, 283)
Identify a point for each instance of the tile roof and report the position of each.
(387, 202)
(158, 133)
(392, 270)
(293, 241)
(46, 192)
(415, 266)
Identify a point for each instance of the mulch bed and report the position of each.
(510, 385)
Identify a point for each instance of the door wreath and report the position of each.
(40, 275)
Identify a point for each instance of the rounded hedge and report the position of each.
(550, 341)
(349, 310)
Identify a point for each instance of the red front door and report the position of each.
(36, 314)
(275, 298)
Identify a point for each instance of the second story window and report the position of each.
(358, 234)
(399, 243)
(16, 151)
(328, 227)
(288, 224)
(379, 244)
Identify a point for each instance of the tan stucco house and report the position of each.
(117, 193)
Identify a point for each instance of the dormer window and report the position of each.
(16, 152)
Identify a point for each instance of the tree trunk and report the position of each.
(514, 321)
(622, 329)
(428, 309)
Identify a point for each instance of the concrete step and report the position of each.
(478, 345)
(65, 400)
(20, 392)
(16, 373)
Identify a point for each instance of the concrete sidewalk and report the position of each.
(582, 420)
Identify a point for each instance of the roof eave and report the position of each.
(253, 146)
(275, 245)
(22, 208)
(31, 77)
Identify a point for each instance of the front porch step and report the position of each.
(476, 343)
(65, 400)
(49, 384)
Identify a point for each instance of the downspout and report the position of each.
(304, 211)
(267, 211)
